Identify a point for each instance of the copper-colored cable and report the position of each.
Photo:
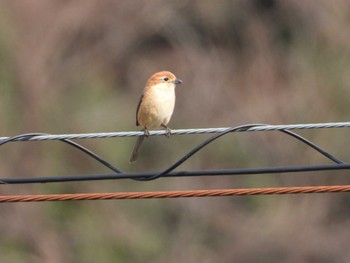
(176, 194)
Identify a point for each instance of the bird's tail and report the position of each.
(137, 146)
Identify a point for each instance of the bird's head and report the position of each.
(165, 77)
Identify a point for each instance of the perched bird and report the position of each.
(156, 106)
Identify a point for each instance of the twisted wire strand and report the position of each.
(177, 194)
(257, 127)
(249, 127)
(236, 129)
(69, 142)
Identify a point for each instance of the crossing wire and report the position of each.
(168, 171)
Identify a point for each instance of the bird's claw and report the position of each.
(146, 133)
(167, 132)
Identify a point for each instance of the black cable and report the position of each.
(194, 150)
(181, 160)
(229, 130)
(314, 146)
(27, 136)
(190, 173)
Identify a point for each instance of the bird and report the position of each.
(156, 106)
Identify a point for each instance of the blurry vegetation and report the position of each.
(80, 65)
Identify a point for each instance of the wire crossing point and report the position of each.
(169, 172)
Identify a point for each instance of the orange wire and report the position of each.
(176, 194)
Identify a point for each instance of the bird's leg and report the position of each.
(146, 131)
(167, 130)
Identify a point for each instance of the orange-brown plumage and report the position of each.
(156, 105)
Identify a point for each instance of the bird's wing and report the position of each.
(137, 111)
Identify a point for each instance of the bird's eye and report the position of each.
(166, 78)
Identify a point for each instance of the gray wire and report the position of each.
(180, 132)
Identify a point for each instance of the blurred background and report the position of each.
(80, 66)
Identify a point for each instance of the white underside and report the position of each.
(163, 101)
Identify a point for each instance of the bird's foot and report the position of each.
(146, 133)
(167, 130)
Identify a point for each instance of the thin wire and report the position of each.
(177, 194)
(188, 173)
(181, 131)
(27, 136)
(195, 150)
(314, 146)
(236, 129)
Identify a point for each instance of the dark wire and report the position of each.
(314, 146)
(181, 160)
(229, 130)
(27, 136)
(188, 173)
(193, 151)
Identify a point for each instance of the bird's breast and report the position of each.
(157, 106)
(164, 96)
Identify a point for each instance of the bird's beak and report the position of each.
(177, 81)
